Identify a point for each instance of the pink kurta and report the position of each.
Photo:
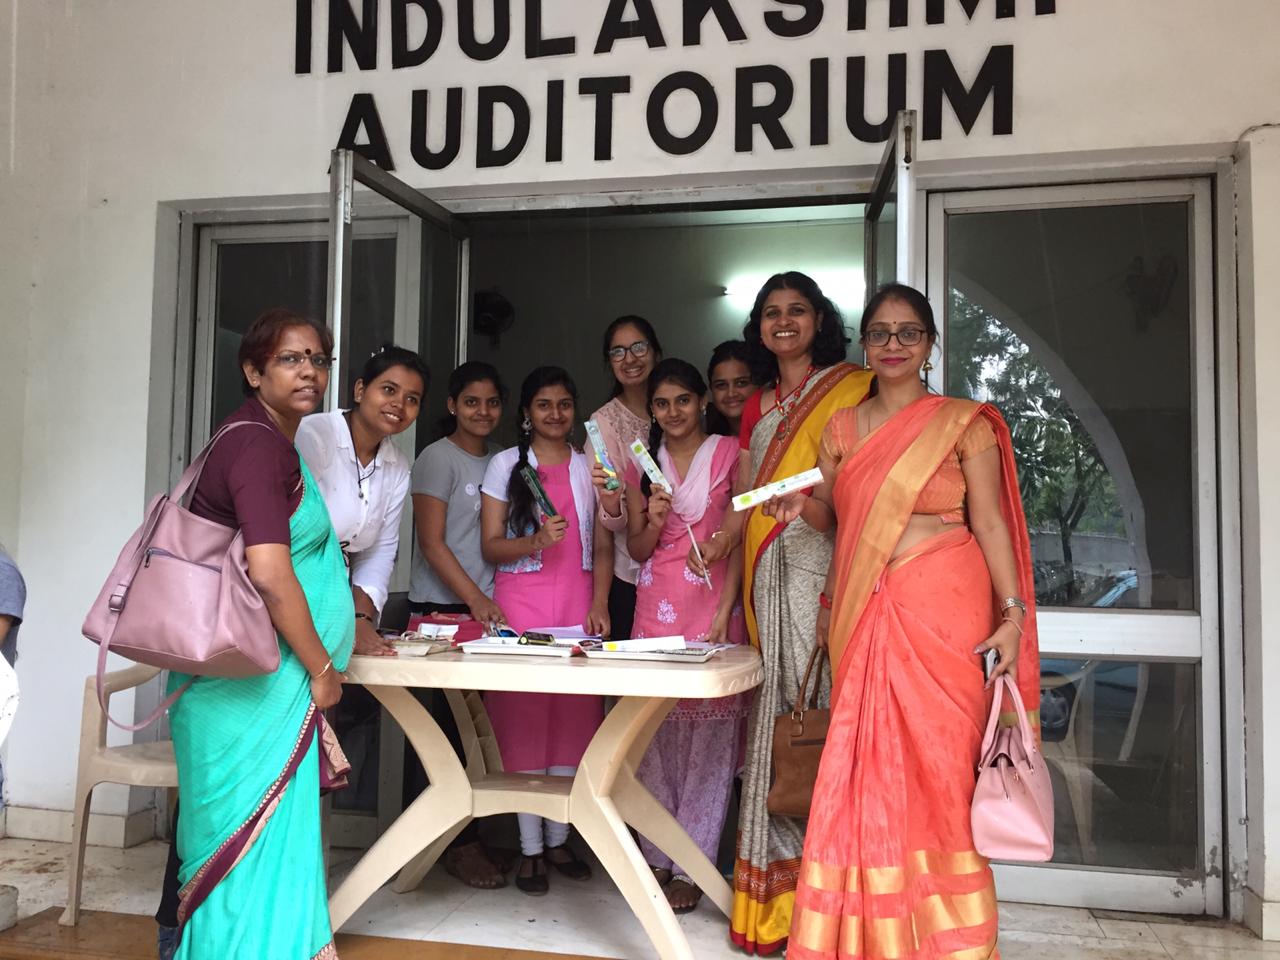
(690, 764)
(540, 730)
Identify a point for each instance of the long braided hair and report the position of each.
(681, 373)
(522, 516)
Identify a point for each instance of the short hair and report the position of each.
(260, 341)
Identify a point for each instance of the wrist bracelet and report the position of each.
(1014, 622)
(824, 601)
(320, 676)
(1008, 603)
(361, 615)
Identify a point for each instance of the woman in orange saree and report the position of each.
(799, 343)
(932, 568)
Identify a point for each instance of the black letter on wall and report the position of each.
(604, 89)
(555, 121)
(423, 154)
(487, 154)
(803, 25)
(614, 28)
(767, 116)
(819, 102)
(994, 81)
(363, 112)
(401, 55)
(855, 102)
(362, 34)
(935, 11)
(302, 38)
(695, 11)
(472, 47)
(708, 109)
(535, 44)
(858, 14)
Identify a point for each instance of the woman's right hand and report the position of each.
(327, 690)
(487, 612)
(610, 500)
(824, 626)
(787, 507)
(659, 506)
(551, 532)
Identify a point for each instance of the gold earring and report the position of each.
(928, 365)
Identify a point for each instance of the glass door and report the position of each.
(373, 742)
(889, 226)
(1085, 314)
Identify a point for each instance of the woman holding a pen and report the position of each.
(690, 764)
(539, 526)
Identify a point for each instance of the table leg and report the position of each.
(606, 767)
(432, 820)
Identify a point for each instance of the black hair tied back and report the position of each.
(388, 356)
(521, 516)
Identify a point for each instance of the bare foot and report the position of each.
(682, 895)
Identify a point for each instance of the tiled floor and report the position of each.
(593, 920)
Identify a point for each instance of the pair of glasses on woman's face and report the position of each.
(638, 349)
(880, 337)
(292, 361)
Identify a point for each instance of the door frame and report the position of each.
(1145, 635)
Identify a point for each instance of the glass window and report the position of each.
(254, 277)
(1076, 323)
(1120, 739)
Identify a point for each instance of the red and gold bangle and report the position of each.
(824, 601)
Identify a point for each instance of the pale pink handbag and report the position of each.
(180, 598)
(1012, 812)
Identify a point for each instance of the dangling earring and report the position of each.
(928, 365)
(526, 426)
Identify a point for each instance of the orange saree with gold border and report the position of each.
(889, 869)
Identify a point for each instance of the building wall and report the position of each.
(112, 109)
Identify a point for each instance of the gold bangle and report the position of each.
(320, 676)
(1014, 622)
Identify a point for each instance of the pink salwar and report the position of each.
(540, 730)
(690, 764)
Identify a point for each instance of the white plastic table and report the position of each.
(600, 801)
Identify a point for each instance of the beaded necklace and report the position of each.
(781, 403)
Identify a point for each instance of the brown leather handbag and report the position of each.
(798, 738)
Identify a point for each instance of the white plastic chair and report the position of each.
(136, 765)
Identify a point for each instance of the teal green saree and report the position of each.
(249, 772)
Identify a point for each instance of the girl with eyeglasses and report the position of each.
(932, 568)
(631, 349)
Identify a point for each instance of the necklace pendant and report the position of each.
(782, 427)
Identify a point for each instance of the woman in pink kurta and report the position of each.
(553, 571)
(690, 764)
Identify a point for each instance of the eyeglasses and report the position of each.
(638, 349)
(291, 361)
(880, 337)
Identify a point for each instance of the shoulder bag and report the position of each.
(798, 738)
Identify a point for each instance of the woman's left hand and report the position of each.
(598, 620)
(610, 500)
(1007, 640)
(370, 643)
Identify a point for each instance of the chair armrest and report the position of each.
(118, 680)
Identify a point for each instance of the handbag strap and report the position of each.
(817, 656)
(150, 718)
(191, 476)
(1006, 682)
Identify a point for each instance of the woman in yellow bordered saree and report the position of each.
(800, 341)
(932, 567)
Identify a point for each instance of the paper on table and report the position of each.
(646, 643)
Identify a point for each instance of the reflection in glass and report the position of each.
(1120, 739)
(1076, 323)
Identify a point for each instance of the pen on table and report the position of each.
(706, 574)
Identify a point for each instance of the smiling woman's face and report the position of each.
(551, 412)
(895, 360)
(788, 324)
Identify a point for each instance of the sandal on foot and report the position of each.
(536, 883)
(567, 862)
(682, 895)
(472, 865)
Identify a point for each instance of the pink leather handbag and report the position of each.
(1012, 814)
(180, 598)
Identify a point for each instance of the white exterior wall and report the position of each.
(108, 109)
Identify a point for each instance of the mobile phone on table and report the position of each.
(989, 660)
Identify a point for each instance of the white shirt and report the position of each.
(366, 516)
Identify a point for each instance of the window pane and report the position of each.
(254, 277)
(1076, 323)
(886, 245)
(1121, 743)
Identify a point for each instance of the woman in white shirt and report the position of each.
(364, 478)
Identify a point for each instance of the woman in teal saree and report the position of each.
(252, 752)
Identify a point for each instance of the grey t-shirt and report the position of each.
(447, 472)
(13, 598)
